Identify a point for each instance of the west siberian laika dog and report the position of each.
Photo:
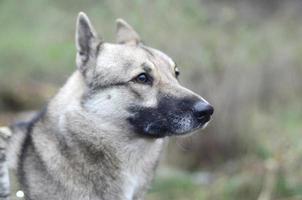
(101, 136)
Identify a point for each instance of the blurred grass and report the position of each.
(243, 56)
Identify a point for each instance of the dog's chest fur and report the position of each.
(83, 179)
(137, 174)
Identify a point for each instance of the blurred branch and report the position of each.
(272, 167)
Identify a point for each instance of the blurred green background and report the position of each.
(244, 56)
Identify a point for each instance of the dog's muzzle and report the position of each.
(172, 116)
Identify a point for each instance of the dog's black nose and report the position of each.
(203, 111)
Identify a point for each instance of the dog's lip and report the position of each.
(187, 132)
(153, 130)
(169, 134)
(199, 126)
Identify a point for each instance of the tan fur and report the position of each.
(83, 146)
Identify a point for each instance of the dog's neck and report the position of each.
(124, 168)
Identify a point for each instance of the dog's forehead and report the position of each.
(115, 55)
(159, 55)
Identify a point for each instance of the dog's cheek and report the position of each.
(106, 104)
(148, 122)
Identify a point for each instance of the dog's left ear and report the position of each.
(87, 41)
(125, 34)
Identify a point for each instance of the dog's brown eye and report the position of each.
(143, 78)
(177, 73)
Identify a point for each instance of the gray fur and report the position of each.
(5, 134)
(82, 146)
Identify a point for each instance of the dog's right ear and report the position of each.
(87, 41)
(125, 34)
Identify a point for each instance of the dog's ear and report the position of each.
(125, 34)
(87, 41)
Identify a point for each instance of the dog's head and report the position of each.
(135, 87)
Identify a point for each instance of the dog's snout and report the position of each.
(203, 111)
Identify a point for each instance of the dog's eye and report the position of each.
(177, 73)
(143, 78)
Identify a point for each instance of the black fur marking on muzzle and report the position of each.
(172, 116)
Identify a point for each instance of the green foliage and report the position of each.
(179, 187)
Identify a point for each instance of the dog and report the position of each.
(102, 135)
